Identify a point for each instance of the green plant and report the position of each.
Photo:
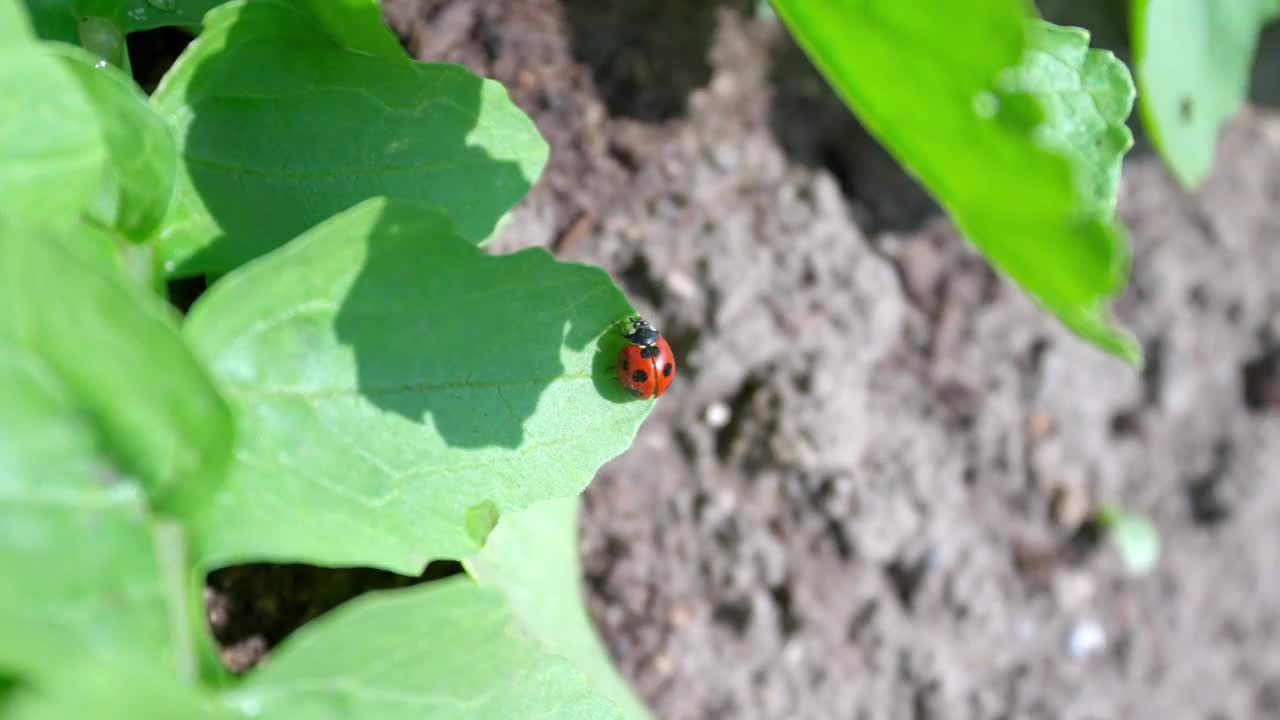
(1021, 143)
(1193, 62)
(1025, 130)
(361, 385)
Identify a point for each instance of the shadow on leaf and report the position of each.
(316, 129)
(446, 334)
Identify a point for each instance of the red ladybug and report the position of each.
(645, 365)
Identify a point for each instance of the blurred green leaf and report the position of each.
(16, 24)
(385, 367)
(52, 20)
(138, 181)
(81, 576)
(117, 349)
(1193, 59)
(433, 134)
(446, 649)
(1087, 94)
(926, 81)
(532, 557)
(86, 689)
(51, 149)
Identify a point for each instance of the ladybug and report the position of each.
(645, 365)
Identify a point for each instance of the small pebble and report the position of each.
(680, 284)
(1087, 638)
(724, 157)
(717, 415)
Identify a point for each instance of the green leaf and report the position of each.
(927, 82)
(118, 350)
(51, 149)
(82, 578)
(138, 181)
(532, 557)
(384, 367)
(259, 167)
(1087, 94)
(446, 649)
(15, 24)
(151, 14)
(1193, 59)
(95, 690)
(52, 20)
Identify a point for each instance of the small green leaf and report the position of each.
(532, 558)
(1193, 59)
(384, 367)
(138, 182)
(432, 134)
(1087, 94)
(81, 577)
(51, 150)
(117, 348)
(446, 649)
(1134, 536)
(927, 82)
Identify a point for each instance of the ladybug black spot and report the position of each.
(625, 365)
(640, 376)
(649, 351)
(666, 370)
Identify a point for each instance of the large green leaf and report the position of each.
(117, 348)
(928, 80)
(81, 575)
(397, 388)
(138, 181)
(532, 557)
(51, 149)
(447, 649)
(315, 129)
(1193, 59)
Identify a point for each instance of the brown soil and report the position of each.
(866, 495)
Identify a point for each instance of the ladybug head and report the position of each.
(638, 331)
